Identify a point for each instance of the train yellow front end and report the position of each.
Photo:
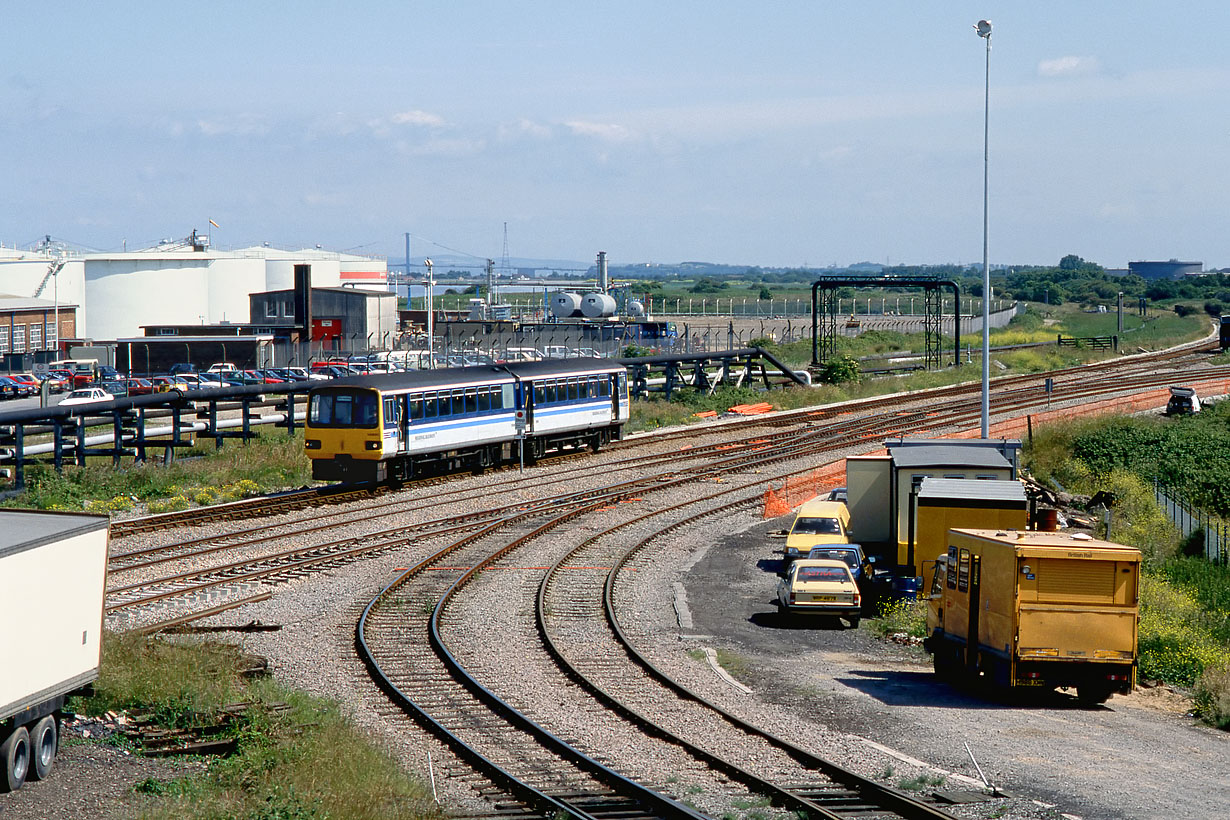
(346, 436)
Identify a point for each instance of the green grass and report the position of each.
(275, 461)
(306, 762)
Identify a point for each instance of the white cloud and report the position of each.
(417, 117)
(599, 130)
(1069, 67)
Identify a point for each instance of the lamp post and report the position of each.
(983, 27)
(429, 294)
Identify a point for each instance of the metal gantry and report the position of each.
(824, 305)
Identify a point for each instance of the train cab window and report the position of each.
(350, 408)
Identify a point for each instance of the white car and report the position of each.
(86, 395)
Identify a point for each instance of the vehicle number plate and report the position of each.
(825, 597)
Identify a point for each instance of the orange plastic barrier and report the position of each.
(705, 414)
(751, 409)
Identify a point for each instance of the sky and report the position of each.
(776, 134)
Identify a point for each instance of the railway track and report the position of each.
(1070, 383)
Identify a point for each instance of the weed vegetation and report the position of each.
(298, 763)
(202, 476)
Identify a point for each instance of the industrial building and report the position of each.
(173, 283)
(1174, 269)
(30, 330)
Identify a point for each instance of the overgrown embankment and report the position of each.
(1185, 600)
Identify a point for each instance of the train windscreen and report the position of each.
(343, 408)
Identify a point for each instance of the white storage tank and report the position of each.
(566, 305)
(635, 308)
(598, 305)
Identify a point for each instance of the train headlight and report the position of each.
(311, 444)
(373, 445)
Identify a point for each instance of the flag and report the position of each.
(215, 224)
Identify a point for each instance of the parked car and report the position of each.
(820, 587)
(839, 494)
(28, 379)
(86, 395)
(139, 387)
(1183, 400)
(10, 389)
(57, 383)
(118, 388)
(182, 367)
(818, 521)
(852, 554)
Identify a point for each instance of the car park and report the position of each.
(86, 395)
(116, 387)
(56, 382)
(28, 379)
(820, 587)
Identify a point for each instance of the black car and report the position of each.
(10, 389)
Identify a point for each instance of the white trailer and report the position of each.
(53, 575)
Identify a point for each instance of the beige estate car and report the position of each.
(820, 586)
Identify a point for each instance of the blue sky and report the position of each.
(790, 133)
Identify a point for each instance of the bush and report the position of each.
(1213, 695)
(840, 370)
(902, 617)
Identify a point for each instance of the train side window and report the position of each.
(459, 402)
(604, 386)
(963, 571)
(505, 400)
(987, 477)
(483, 397)
(416, 406)
(540, 393)
(573, 390)
(471, 400)
(952, 567)
(431, 405)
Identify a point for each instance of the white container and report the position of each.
(598, 305)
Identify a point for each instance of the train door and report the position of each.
(394, 424)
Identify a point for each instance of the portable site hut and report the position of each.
(880, 486)
(942, 504)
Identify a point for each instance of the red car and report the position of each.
(139, 387)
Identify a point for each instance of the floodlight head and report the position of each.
(983, 28)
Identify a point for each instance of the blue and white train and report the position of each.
(393, 427)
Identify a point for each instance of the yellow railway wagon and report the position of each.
(1036, 609)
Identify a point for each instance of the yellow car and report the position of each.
(820, 586)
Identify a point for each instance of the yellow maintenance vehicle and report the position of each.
(1014, 608)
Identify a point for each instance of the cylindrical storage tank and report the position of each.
(635, 308)
(565, 305)
(598, 305)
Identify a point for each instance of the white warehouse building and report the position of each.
(117, 294)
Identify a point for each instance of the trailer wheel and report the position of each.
(44, 743)
(15, 753)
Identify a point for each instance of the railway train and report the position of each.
(1225, 333)
(393, 427)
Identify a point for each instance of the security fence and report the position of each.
(1189, 519)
